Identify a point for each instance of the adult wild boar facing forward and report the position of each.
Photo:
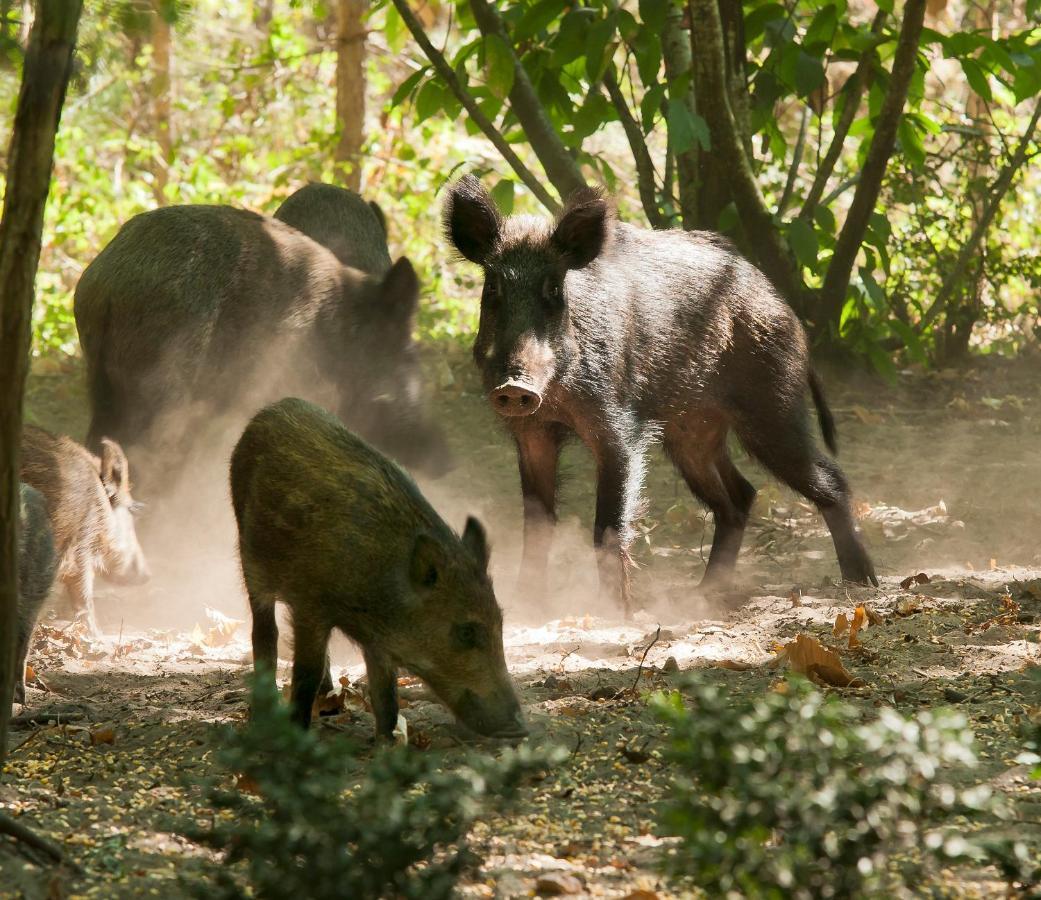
(624, 336)
(195, 312)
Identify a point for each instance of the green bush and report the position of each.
(789, 795)
(312, 825)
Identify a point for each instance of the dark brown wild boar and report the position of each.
(193, 317)
(344, 538)
(624, 337)
(91, 512)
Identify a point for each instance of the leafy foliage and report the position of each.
(313, 830)
(789, 795)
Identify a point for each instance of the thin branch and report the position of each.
(841, 189)
(489, 130)
(15, 829)
(678, 60)
(854, 90)
(641, 155)
(793, 171)
(995, 195)
(561, 168)
(847, 245)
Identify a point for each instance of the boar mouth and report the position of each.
(514, 398)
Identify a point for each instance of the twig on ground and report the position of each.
(21, 833)
(639, 668)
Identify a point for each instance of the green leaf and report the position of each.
(599, 47)
(653, 13)
(809, 73)
(429, 100)
(394, 29)
(685, 128)
(537, 19)
(825, 219)
(803, 240)
(570, 41)
(911, 142)
(498, 58)
(647, 50)
(650, 106)
(406, 87)
(757, 19)
(594, 113)
(822, 28)
(977, 78)
(503, 194)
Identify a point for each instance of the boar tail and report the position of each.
(824, 416)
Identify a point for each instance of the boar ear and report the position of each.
(424, 568)
(472, 222)
(399, 291)
(115, 473)
(584, 228)
(382, 219)
(476, 541)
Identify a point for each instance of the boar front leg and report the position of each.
(620, 469)
(383, 692)
(538, 452)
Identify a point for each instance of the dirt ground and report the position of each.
(946, 469)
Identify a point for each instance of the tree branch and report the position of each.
(641, 155)
(560, 165)
(759, 224)
(997, 192)
(853, 89)
(447, 73)
(793, 171)
(847, 245)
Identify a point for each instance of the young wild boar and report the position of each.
(337, 218)
(625, 336)
(36, 566)
(91, 513)
(195, 316)
(343, 537)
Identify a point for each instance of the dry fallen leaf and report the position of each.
(841, 624)
(920, 578)
(102, 736)
(556, 884)
(30, 673)
(223, 629)
(907, 606)
(808, 657)
(795, 597)
(873, 617)
(641, 894)
(859, 617)
(247, 785)
(734, 665)
(993, 564)
(865, 416)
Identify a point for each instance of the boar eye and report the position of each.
(429, 576)
(553, 291)
(468, 635)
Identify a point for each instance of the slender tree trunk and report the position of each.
(638, 146)
(161, 103)
(675, 46)
(764, 236)
(847, 245)
(350, 86)
(48, 64)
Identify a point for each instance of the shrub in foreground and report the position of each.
(309, 823)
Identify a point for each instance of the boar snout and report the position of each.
(496, 716)
(515, 398)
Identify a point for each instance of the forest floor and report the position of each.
(946, 470)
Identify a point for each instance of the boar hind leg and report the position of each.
(265, 635)
(538, 452)
(310, 662)
(788, 450)
(700, 453)
(383, 692)
(21, 650)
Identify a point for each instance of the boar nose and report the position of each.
(513, 398)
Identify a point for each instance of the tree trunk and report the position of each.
(160, 88)
(48, 64)
(350, 87)
(756, 219)
(675, 47)
(847, 245)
